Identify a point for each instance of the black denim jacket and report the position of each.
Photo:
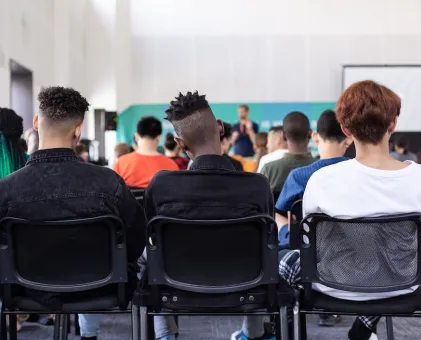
(56, 185)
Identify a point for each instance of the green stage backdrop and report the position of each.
(265, 114)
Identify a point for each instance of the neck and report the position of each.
(170, 153)
(216, 150)
(374, 156)
(147, 147)
(56, 143)
(298, 148)
(330, 150)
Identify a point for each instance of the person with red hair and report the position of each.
(373, 184)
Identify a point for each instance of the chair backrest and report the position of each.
(218, 256)
(294, 224)
(370, 255)
(63, 256)
(139, 194)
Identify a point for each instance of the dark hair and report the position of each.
(245, 107)
(261, 139)
(296, 127)
(170, 142)
(12, 156)
(403, 143)
(80, 149)
(23, 145)
(149, 127)
(59, 104)
(367, 109)
(329, 128)
(227, 131)
(278, 128)
(184, 106)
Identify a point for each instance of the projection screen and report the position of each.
(404, 80)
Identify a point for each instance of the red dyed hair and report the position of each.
(366, 109)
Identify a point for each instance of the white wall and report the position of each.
(21, 98)
(266, 50)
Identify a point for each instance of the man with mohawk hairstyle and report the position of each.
(211, 189)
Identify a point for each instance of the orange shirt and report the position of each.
(137, 170)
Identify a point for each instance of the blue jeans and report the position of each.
(89, 324)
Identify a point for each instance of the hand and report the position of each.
(249, 125)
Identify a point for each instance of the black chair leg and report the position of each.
(278, 331)
(64, 327)
(3, 327)
(57, 324)
(77, 326)
(13, 327)
(151, 328)
(389, 328)
(303, 322)
(69, 324)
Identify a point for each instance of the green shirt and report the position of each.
(278, 171)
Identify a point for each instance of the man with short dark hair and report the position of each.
(137, 168)
(226, 144)
(211, 189)
(297, 133)
(56, 185)
(244, 133)
(277, 147)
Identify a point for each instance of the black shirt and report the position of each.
(56, 185)
(237, 164)
(211, 189)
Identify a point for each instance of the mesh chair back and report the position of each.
(294, 226)
(213, 256)
(57, 256)
(363, 255)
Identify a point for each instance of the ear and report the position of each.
(392, 126)
(78, 132)
(136, 137)
(35, 122)
(310, 132)
(347, 142)
(316, 138)
(181, 144)
(220, 127)
(346, 131)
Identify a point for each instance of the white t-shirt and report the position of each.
(271, 157)
(350, 190)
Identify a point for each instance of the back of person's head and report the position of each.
(170, 143)
(276, 139)
(149, 128)
(368, 111)
(328, 127)
(261, 140)
(12, 155)
(61, 114)
(296, 128)
(401, 145)
(121, 149)
(198, 131)
(226, 143)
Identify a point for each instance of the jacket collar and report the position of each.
(53, 155)
(212, 162)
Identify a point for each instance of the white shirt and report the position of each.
(350, 190)
(270, 157)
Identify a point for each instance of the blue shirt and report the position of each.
(296, 183)
(243, 145)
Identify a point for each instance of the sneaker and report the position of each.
(329, 320)
(239, 335)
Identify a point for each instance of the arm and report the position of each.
(235, 134)
(134, 220)
(310, 199)
(291, 191)
(281, 220)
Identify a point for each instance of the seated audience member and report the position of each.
(211, 189)
(226, 144)
(260, 148)
(332, 144)
(138, 168)
(277, 147)
(121, 149)
(56, 185)
(297, 133)
(372, 184)
(401, 151)
(32, 140)
(173, 151)
(81, 152)
(12, 154)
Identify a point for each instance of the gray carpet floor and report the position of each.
(220, 328)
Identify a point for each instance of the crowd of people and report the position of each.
(52, 181)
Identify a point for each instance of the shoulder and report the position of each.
(271, 165)
(171, 164)
(331, 173)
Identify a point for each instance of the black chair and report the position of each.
(218, 267)
(294, 224)
(62, 267)
(139, 194)
(366, 255)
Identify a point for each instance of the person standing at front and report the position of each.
(244, 133)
